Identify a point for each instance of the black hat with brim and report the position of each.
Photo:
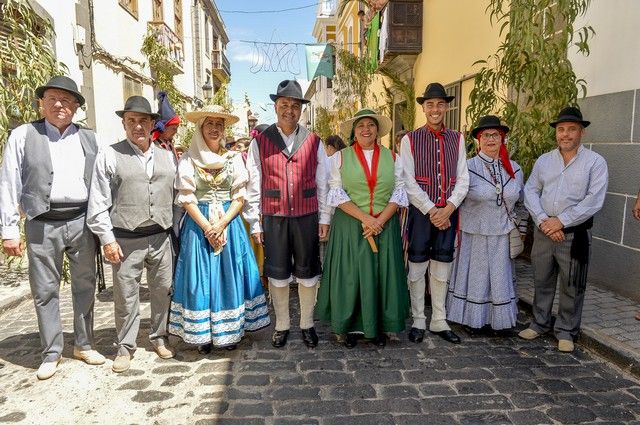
(61, 82)
(570, 114)
(289, 88)
(434, 91)
(487, 122)
(138, 104)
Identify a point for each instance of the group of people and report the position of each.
(180, 216)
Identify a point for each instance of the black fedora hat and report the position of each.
(138, 104)
(434, 91)
(63, 83)
(289, 88)
(489, 121)
(570, 114)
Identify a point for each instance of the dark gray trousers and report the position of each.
(48, 240)
(553, 266)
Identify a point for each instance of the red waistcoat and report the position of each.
(435, 158)
(288, 182)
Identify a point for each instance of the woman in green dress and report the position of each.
(364, 285)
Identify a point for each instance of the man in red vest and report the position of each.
(286, 209)
(437, 180)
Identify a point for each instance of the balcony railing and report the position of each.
(170, 40)
(220, 65)
(403, 26)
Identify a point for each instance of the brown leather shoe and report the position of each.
(164, 352)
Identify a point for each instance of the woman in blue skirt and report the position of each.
(217, 292)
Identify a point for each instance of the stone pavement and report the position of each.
(497, 380)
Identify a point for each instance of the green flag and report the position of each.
(319, 60)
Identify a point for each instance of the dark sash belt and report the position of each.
(580, 243)
(61, 211)
(139, 232)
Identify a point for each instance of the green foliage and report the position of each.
(325, 124)
(351, 85)
(529, 78)
(27, 61)
(408, 112)
(162, 70)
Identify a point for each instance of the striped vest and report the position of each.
(354, 180)
(435, 158)
(288, 180)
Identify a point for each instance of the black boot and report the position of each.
(310, 337)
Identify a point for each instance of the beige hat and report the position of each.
(384, 123)
(215, 111)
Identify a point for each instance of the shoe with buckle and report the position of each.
(231, 347)
(380, 340)
(121, 363)
(91, 357)
(448, 335)
(164, 352)
(279, 338)
(205, 348)
(350, 340)
(47, 369)
(416, 335)
(310, 337)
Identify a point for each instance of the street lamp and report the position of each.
(207, 89)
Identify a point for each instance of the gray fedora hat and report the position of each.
(570, 114)
(138, 104)
(434, 91)
(61, 82)
(289, 88)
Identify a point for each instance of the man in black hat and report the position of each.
(286, 209)
(131, 211)
(46, 173)
(567, 186)
(437, 180)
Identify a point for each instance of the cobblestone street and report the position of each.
(483, 380)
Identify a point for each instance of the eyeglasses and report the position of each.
(490, 136)
(66, 102)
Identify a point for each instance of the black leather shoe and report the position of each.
(205, 348)
(448, 336)
(279, 338)
(231, 347)
(310, 337)
(350, 340)
(416, 335)
(380, 340)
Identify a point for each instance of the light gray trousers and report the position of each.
(47, 242)
(552, 266)
(155, 254)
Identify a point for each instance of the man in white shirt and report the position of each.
(286, 209)
(46, 173)
(131, 212)
(436, 180)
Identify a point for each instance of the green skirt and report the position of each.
(361, 291)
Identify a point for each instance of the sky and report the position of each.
(290, 26)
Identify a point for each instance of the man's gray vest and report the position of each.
(135, 197)
(37, 170)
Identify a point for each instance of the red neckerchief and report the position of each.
(370, 174)
(438, 134)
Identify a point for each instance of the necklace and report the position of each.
(497, 179)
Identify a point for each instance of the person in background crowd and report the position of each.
(333, 144)
(436, 180)
(46, 172)
(482, 290)
(131, 211)
(566, 188)
(286, 198)
(363, 286)
(166, 126)
(217, 292)
(397, 139)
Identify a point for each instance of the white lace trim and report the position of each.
(399, 197)
(337, 196)
(233, 334)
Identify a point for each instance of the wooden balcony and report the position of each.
(170, 40)
(220, 66)
(403, 26)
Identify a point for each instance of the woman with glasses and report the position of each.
(481, 290)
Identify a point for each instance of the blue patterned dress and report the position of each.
(217, 296)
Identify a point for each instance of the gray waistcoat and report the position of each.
(137, 198)
(37, 171)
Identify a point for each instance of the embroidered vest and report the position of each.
(288, 185)
(136, 197)
(435, 159)
(354, 180)
(37, 170)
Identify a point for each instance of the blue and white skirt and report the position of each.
(216, 298)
